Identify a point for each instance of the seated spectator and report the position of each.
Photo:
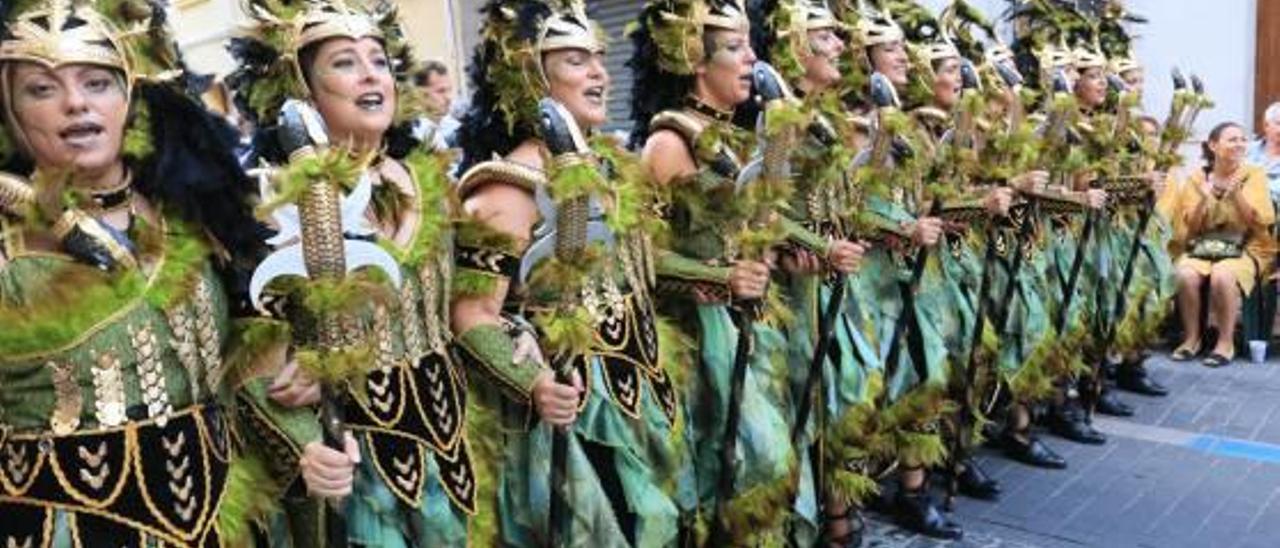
(1221, 218)
(1265, 152)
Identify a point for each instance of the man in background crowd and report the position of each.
(437, 86)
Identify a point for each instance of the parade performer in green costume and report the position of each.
(1138, 186)
(693, 65)
(1016, 307)
(829, 352)
(902, 275)
(554, 297)
(1042, 33)
(335, 69)
(127, 238)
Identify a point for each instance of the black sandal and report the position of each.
(1216, 360)
(853, 537)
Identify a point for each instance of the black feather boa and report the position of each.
(193, 172)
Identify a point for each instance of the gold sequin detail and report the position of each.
(66, 409)
(410, 320)
(108, 390)
(155, 391)
(184, 345)
(210, 344)
(386, 358)
(432, 311)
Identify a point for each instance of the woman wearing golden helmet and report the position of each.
(553, 301)
(405, 476)
(121, 268)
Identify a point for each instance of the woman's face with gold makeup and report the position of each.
(726, 71)
(72, 117)
(353, 88)
(577, 79)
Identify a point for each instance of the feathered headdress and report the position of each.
(1047, 36)
(677, 27)
(128, 35)
(1114, 38)
(269, 67)
(515, 36)
(782, 35)
(180, 154)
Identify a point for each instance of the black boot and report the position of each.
(975, 483)
(1132, 376)
(1069, 421)
(1033, 452)
(1109, 403)
(916, 511)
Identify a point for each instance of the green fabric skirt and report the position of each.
(621, 471)
(375, 517)
(845, 371)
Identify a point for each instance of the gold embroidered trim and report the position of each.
(175, 536)
(207, 336)
(69, 400)
(20, 472)
(416, 481)
(437, 389)
(108, 390)
(431, 310)
(410, 320)
(386, 357)
(184, 345)
(96, 474)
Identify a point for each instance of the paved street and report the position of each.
(1198, 468)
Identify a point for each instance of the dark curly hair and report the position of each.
(485, 129)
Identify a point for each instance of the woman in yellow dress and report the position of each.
(1221, 219)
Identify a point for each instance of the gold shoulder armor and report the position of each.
(683, 123)
(500, 171)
